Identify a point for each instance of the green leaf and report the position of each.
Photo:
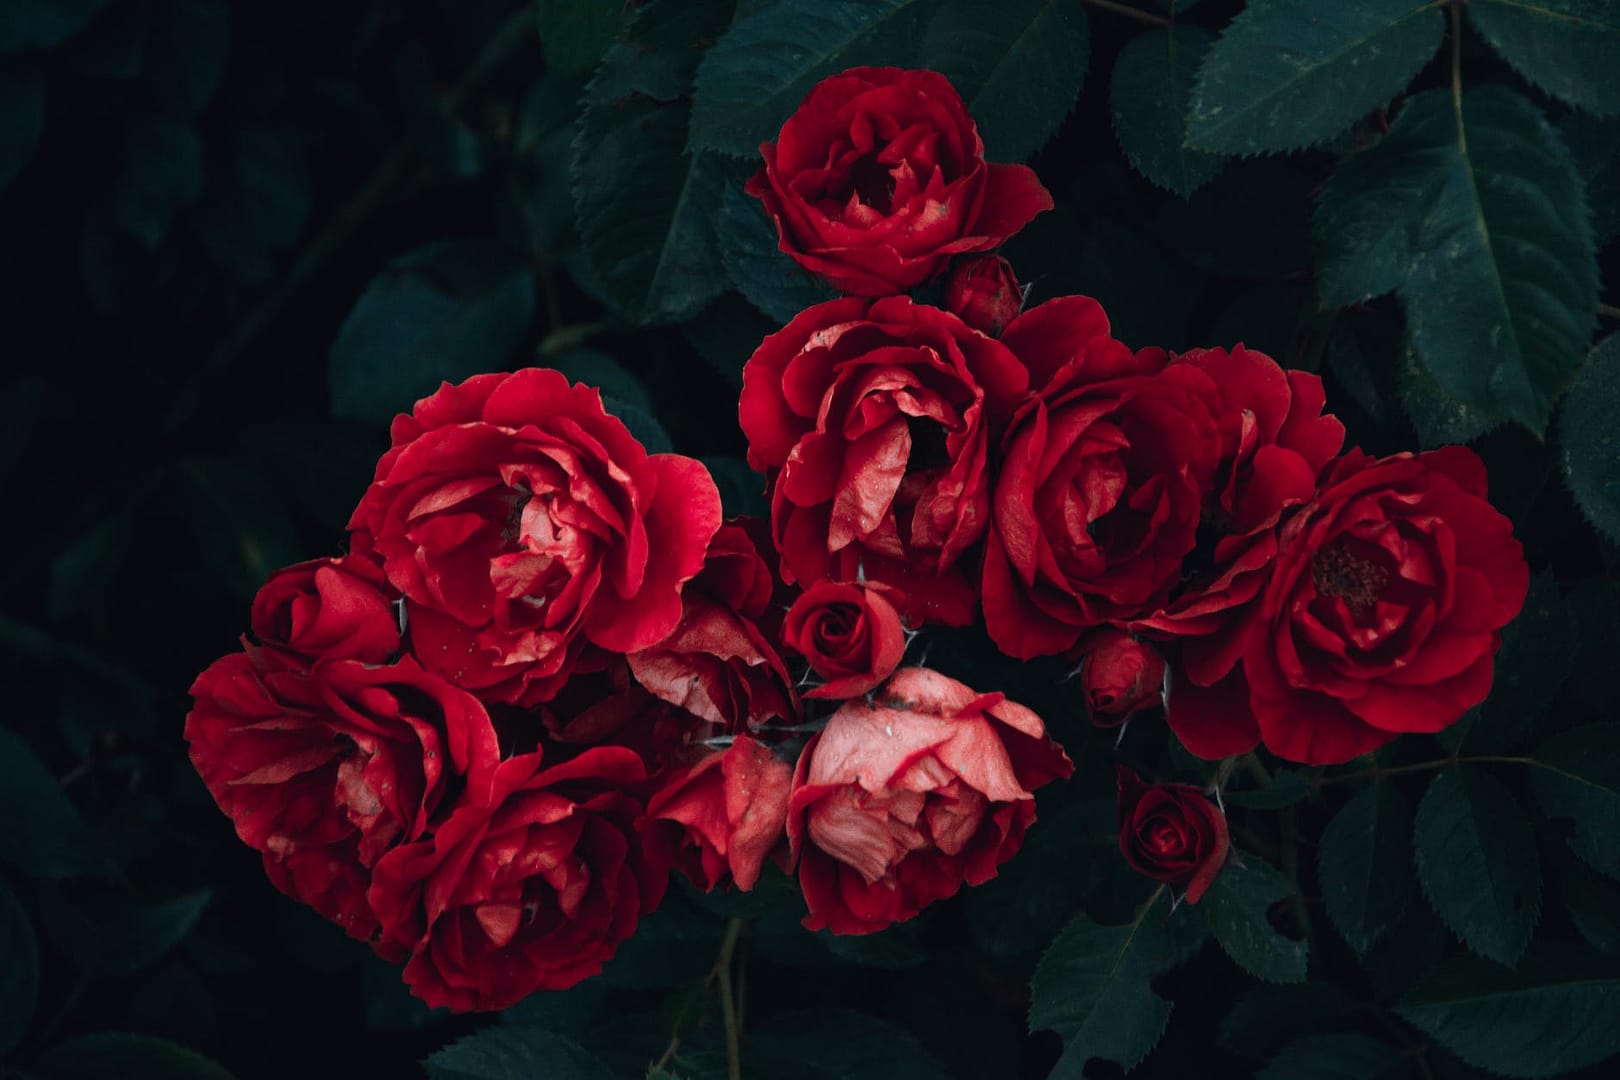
(1578, 777)
(87, 566)
(438, 314)
(892, 949)
(163, 172)
(1287, 74)
(19, 971)
(1238, 906)
(727, 334)
(646, 207)
(1093, 987)
(44, 835)
(756, 75)
(814, 1044)
(128, 1057)
(40, 24)
(575, 33)
(505, 1053)
(184, 53)
(770, 280)
(606, 374)
(1287, 787)
(1032, 897)
(109, 937)
(1438, 417)
(22, 118)
(1478, 863)
(1478, 221)
(1018, 64)
(1559, 1012)
(1150, 95)
(1364, 864)
(1594, 143)
(1593, 904)
(240, 524)
(1589, 437)
(1569, 48)
(1339, 1056)
(257, 206)
(742, 490)
(1267, 1018)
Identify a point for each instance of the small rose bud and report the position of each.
(984, 293)
(1171, 833)
(1119, 675)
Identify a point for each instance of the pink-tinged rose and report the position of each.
(879, 178)
(984, 293)
(1119, 676)
(325, 773)
(1171, 833)
(524, 524)
(874, 421)
(327, 609)
(850, 634)
(1103, 473)
(529, 885)
(719, 819)
(896, 803)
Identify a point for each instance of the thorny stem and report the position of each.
(1129, 12)
(1609, 311)
(728, 1001)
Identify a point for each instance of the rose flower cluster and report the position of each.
(546, 673)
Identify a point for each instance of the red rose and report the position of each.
(896, 804)
(521, 521)
(328, 609)
(528, 885)
(879, 178)
(984, 293)
(873, 421)
(325, 773)
(1171, 833)
(1382, 612)
(1103, 473)
(718, 819)
(1119, 675)
(850, 634)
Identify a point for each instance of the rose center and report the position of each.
(873, 183)
(1337, 572)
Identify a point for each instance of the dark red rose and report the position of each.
(328, 609)
(896, 804)
(849, 633)
(1172, 833)
(879, 178)
(1119, 675)
(1103, 473)
(522, 522)
(324, 773)
(984, 293)
(1383, 612)
(719, 819)
(873, 421)
(529, 885)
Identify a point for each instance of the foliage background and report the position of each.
(238, 238)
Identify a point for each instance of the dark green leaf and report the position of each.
(606, 374)
(240, 524)
(259, 204)
(1438, 417)
(674, 945)
(163, 172)
(727, 334)
(646, 207)
(1569, 48)
(1267, 1018)
(127, 1057)
(770, 280)
(756, 75)
(184, 53)
(506, 1053)
(893, 949)
(1594, 143)
(822, 1043)
(1035, 894)
(1559, 1012)
(109, 937)
(438, 314)
(742, 490)
(642, 424)
(1238, 906)
(87, 566)
(22, 118)
(1289, 73)
(1018, 64)
(1364, 864)
(1590, 437)
(1483, 231)
(44, 835)
(1150, 94)
(575, 33)
(40, 24)
(1287, 787)
(19, 971)
(1477, 862)
(1578, 777)
(1594, 608)
(1094, 987)
(1593, 904)
(1341, 1056)
(565, 1012)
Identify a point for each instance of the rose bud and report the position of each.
(896, 804)
(984, 293)
(879, 178)
(1119, 675)
(849, 633)
(1171, 833)
(327, 609)
(717, 820)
